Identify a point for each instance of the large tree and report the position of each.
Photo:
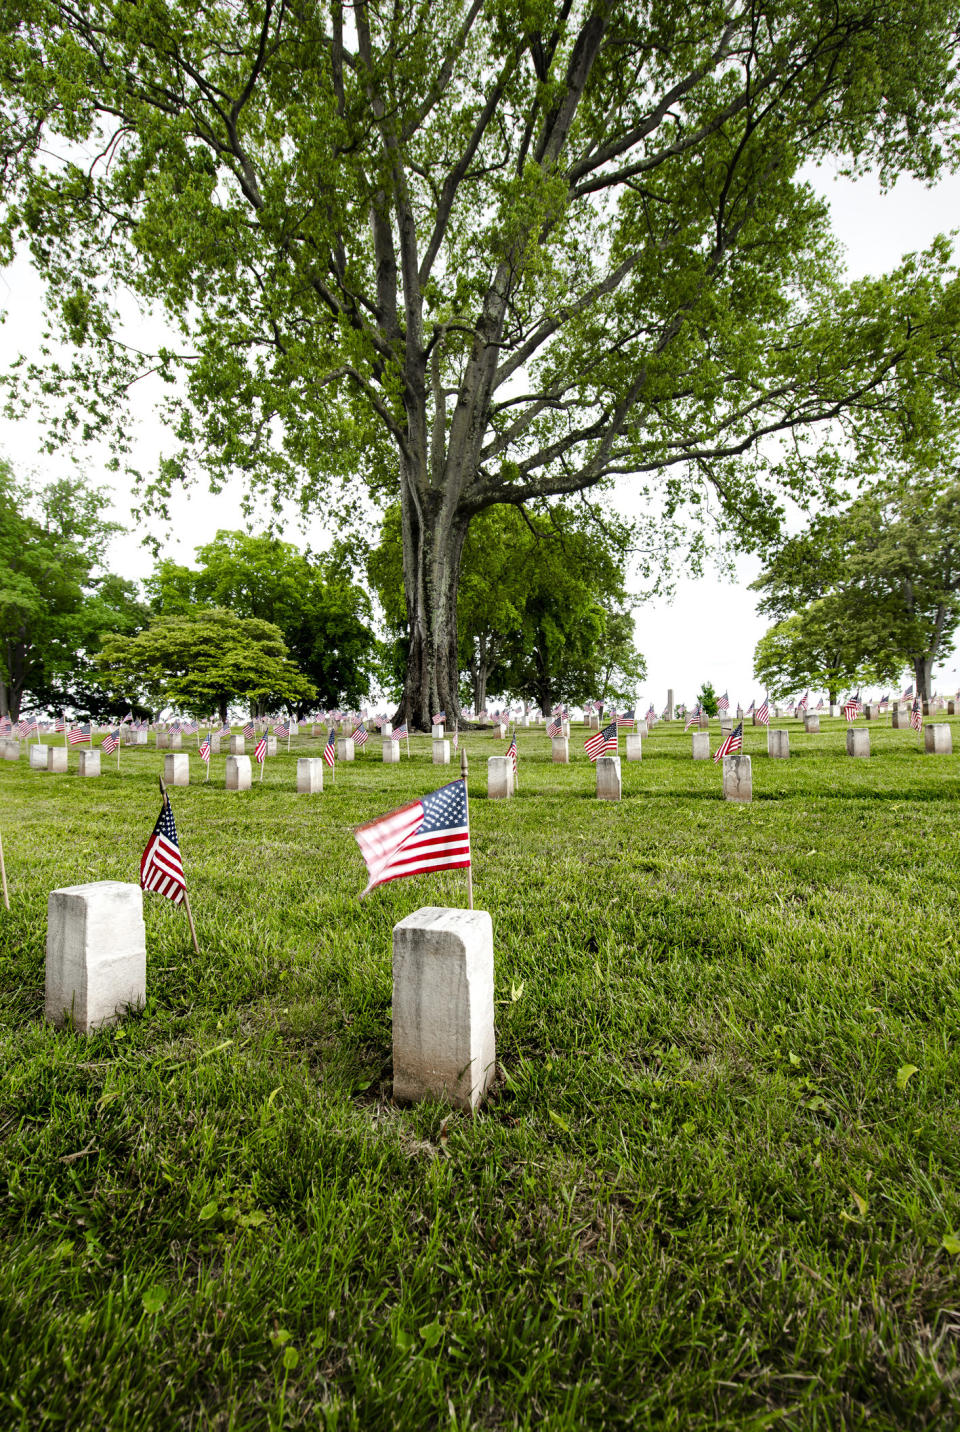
(473, 253)
(56, 599)
(322, 613)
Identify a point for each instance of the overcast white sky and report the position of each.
(709, 629)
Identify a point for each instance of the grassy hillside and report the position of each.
(708, 1191)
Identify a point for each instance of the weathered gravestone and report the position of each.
(560, 750)
(634, 746)
(57, 759)
(345, 748)
(737, 778)
(309, 775)
(176, 769)
(499, 777)
(778, 743)
(701, 745)
(96, 962)
(858, 741)
(441, 751)
(38, 757)
(90, 763)
(238, 773)
(609, 785)
(938, 739)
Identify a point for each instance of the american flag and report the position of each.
(330, 749)
(820, 704)
(440, 716)
(884, 701)
(59, 724)
(750, 708)
(361, 735)
(916, 714)
(79, 735)
(111, 741)
(629, 718)
(250, 730)
(732, 743)
(556, 725)
(482, 715)
(427, 835)
(398, 732)
(908, 693)
(851, 708)
(224, 730)
(127, 719)
(512, 753)
(802, 703)
(651, 712)
(280, 729)
(260, 753)
(763, 713)
(723, 702)
(693, 718)
(205, 750)
(161, 868)
(602, 743)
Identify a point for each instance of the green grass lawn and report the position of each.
(704, 1194)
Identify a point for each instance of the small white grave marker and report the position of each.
(499, 777)
(937, 739)
(90, 763)
(238, 773)
(309, 775)
(737, 778)
(609, 785)
(176, 769)
(858, 741)
(96, 953)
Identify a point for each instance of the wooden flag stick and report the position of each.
(3, 876)
(186, 897)
(466, 796)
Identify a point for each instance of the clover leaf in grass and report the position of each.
(904, 1074)
(431, 1333)
(290, 1358)
(154, 1298)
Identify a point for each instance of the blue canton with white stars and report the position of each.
(445, 809)
(165, 825)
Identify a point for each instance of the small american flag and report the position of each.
(330, 749)
(628, 718)
(127, 719)
(111, 741)
(908, 693)
(440, 717)
(512, 753)
(602, 743)
(250, 729)
(205, 750)
(361, 735)
(802, 703)
(59, 724)
(80, 735)
(916, 714)
(482, 715)
(280, 729)
(820, 704)
(425, 836)
(556, 725)
(398, 732)
(260, 753)
(763, 714)
(852, 707)
(224, 730)
(732, 743)
(723, 702)
(161, 868)
(693, 718)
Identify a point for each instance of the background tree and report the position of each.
(867, 591)
(56, 599)
(204, 661)
(322, 614)
(707, 699)
(475, 256)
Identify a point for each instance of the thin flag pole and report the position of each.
(466, 796)
(186, 897)
(65, 729)
(408, 743)
(3, 876)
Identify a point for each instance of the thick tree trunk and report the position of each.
(923, 675)
(433, 536)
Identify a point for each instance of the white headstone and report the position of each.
(38, 757)
(214, 743)
(309, 775)
(737, 778)
(176, 741)
(238, 773)
(163, 740)
(57, 759)
(565, 729)
(811, 722)
(237, 745)
(701, 745)
(345, 748)
(858, 741)
(499, 777)
(386, 728)
(937, 739)
(594, 722)
(96, 953)
(437, 731)
(10, 750)
(142, 736)
(176, 769)
(609, 787)
(441, 751)
(443, 1035)
(634, 746)
(391, 751)
(90, 763)
(778, 743)
(900, 720)
(560, 750)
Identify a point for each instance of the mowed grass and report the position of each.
(707, 1191)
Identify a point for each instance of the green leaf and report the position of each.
(290, 1358)
(904, 1074)
(403, 1340)
(794, 1059)
(951, 1243)
(208, 1211)
(154, 1298)
(556, 1119)
(516, 990)
(280, 1337)
(689, 1128)
(256, 1219)
(860, 1201)
(431, 1333)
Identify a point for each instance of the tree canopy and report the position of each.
(321, 612)
(56, 599)
(203, 661)
(472, 255)
(869, 590)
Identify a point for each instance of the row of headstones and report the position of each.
(737, 778)
(444, 1045)
(937, 741)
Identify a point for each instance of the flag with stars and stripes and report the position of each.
(80, 735)
(161, 868)
(908, 693)
(916, 714)
(763, 713)
(224, 730)
(330, 749)
(602, 743)
(732, 743)
(512, 753)
(723, 702)
(250, 730)
(439, 718)
(556, 725)
(260, 752)
(361, 735)
(398, 732)
(852, 708)
(205, 750)
(629, 718)
(110, 742)
(693, 718)
(280, 729)
(127, 719)
(427, 835)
